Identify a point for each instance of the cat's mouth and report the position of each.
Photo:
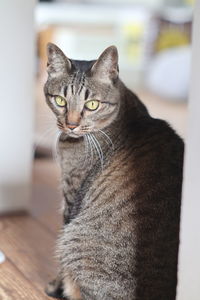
(74, 133)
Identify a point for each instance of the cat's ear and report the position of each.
(58, 63)
(106, 67)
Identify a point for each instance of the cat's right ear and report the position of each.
(58, 63)
(106, 67)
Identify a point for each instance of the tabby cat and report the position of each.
(121, 181)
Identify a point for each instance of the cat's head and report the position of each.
(84, 95)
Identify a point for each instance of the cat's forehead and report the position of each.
(78, 75)
(81, 66)
(78, 82)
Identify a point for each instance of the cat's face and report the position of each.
(83, 95)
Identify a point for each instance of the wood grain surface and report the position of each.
(28, 240)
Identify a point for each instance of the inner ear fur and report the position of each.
(57, 61)
(106, 67)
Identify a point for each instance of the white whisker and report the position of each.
(98, 148)
(91, 148)
(85, 138)
(109, 139)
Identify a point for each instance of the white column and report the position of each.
(17, 64)
(189, 259)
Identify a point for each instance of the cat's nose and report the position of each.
(72, 126)
(73, 119)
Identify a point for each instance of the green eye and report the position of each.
(60, 101)
(92, 104)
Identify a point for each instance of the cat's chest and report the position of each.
(73, 164)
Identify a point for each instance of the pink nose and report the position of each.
(72, 125)
(73, 119)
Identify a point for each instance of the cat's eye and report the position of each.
(60, 101)
(92, 104)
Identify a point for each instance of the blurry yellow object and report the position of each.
(191, 2)
(171, 38)
(133, 33)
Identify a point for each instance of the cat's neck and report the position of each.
(131, 111)
(131, 106)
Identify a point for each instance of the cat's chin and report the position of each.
(74, 135)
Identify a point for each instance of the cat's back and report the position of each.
(145, 168)
(149, 144)
(129, 220)
(154, 143)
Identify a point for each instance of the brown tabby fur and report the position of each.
(121, 219)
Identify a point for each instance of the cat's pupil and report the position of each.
(86, 94)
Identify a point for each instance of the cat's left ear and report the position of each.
(58, 63)
(106, 67)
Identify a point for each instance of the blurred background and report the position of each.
(153, 38)
(154, 43)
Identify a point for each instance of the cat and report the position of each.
(121, 182)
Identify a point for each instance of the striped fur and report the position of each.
(120, 235)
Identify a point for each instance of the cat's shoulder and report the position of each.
(165, 128)
(160, 130)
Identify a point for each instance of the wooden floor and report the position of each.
(28, 240)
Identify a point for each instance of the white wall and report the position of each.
(16, 101)
(189, 266)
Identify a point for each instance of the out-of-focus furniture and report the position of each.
(17, 105)
(189, 262)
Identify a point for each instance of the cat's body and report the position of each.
(121, 218)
